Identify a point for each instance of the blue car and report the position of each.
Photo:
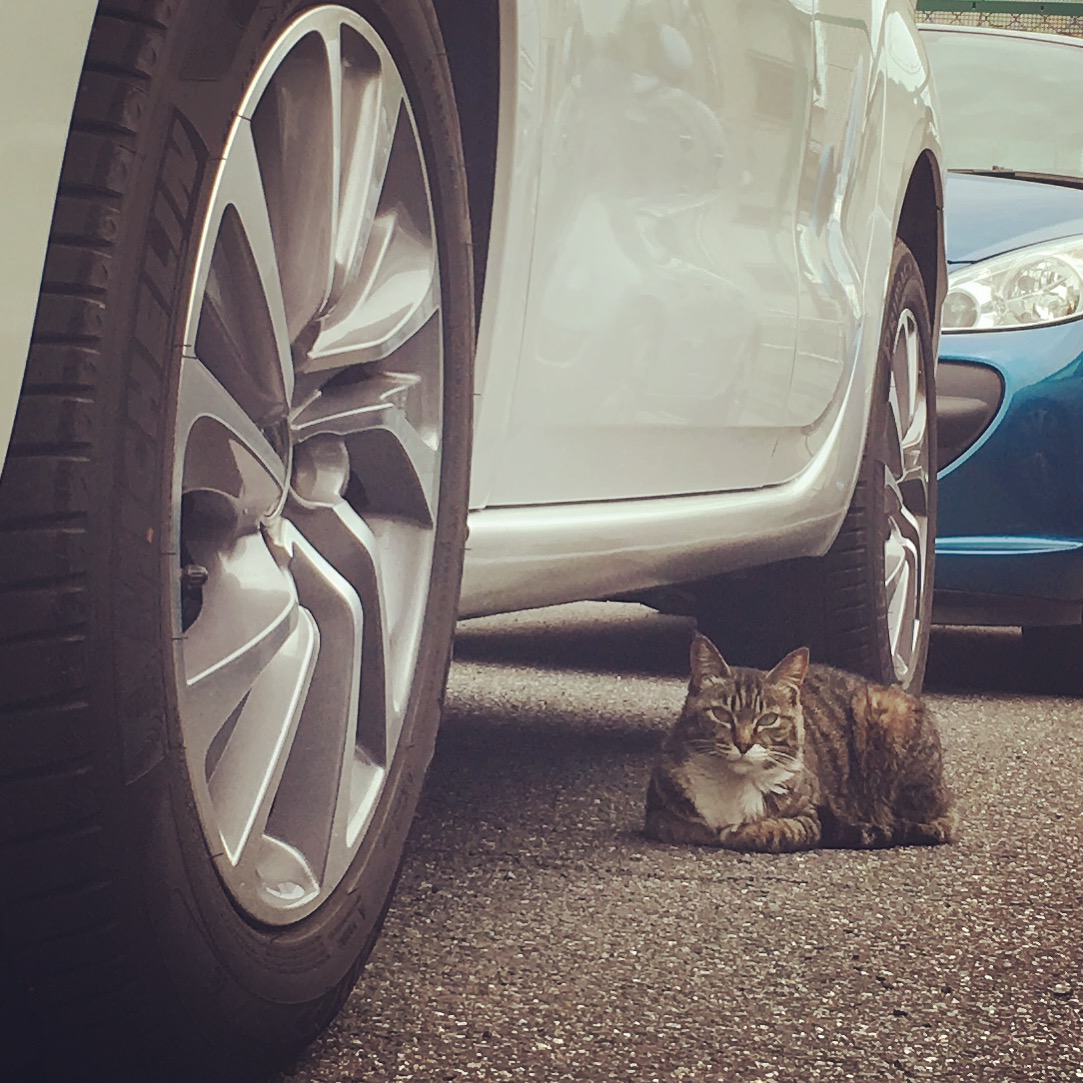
(1009, 548)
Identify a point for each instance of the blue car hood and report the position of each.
(985, 216)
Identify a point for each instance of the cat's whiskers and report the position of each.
(783, 759)
(704, 746)
(750, 762)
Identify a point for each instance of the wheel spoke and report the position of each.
(903, 570)
(372, 101)
(905, 442)
(224, 448)
(902, 611)
(315, 783)
(295, 122)
(386, 282)
(249, 612)
(891, 451)
(399, 298)
(381, 555)
(904, 371)
(902, 608)
(346, 542)
(914, 467)
(374, 720)
(245, 775)
(242, 331)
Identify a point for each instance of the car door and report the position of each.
(662, 311)
(837, 205)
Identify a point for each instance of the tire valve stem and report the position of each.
(194, 576)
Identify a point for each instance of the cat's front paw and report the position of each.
(781, 835)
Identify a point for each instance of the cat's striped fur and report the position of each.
(800, 757)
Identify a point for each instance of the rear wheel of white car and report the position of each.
(232, 523)
(866, 605)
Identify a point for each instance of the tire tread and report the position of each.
(52, 773)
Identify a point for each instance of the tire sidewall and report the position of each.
(238, 982)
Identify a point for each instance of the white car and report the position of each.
(303, 303)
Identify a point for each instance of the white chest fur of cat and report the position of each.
(726, 794)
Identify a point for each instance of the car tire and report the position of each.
(866, 605)
(232, 522)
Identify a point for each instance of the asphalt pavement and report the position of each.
(537, 936)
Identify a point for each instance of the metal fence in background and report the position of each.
(1045, 17)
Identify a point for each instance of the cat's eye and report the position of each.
(721, 716)
(767, 721)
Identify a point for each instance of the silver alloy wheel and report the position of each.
(907, 473)
(307, 464)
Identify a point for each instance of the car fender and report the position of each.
(41, 58)
(907, 111)
(875, 175)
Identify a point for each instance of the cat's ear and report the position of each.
(790, 672)
(707, 662)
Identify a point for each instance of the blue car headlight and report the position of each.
(1031, 287)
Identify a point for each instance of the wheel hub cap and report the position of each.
(307, 464)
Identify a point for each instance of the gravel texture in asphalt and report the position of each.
(537, 936)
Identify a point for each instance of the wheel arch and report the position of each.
(473, 42)
(921, 229)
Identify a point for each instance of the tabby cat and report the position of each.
(800, 757)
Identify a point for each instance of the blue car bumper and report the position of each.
(1009, 548)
